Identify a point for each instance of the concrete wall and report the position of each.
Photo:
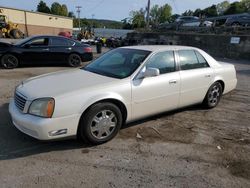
(216, 45)
(34, 23)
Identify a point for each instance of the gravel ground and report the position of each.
(191, 147)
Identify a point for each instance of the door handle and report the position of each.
(173, 82)
(69, 48)
(207, 76)
(46, 49)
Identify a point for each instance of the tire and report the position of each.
(9, 61)
(100, 123)
(16, 34)
(213, 95)
(1, 34)
(74, 60)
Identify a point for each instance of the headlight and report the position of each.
(43, 107)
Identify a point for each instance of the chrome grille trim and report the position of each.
(20, 101)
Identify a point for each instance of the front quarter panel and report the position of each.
(77, 102)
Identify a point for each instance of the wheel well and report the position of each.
(116, 102)
(222, 84)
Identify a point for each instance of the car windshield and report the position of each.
(119, 63)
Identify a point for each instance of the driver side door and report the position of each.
(157, 94)
(36, 50)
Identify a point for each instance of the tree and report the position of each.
(188, 13)
(235, 8)
(222, 7)
(56, 8)
(198, 13)
(42, 7)
(165, 13)
(246, 5)
(211, 11)
(64, 10)
(155, 15)
(71, 14)
(138, 18)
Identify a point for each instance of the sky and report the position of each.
(112, 9)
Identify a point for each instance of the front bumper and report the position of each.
(40, 128)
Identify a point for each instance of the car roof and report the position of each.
(155, 48)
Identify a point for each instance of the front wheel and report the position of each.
(213, 95)
(9, 61)
(74, 60)
(100, 124)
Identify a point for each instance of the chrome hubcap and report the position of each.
(214, 95)
(103, 124)
(10, 61)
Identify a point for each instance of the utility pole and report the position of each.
(79, 14)
(148, 11)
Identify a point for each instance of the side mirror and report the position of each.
(27, 46)
(149, 72)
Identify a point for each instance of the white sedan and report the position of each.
(123, 85)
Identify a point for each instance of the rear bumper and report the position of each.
(87, 57)
(40, 128)
(230, 85)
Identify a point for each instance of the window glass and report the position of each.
(164, 61)
(118, 63)
(189, 59)
(40, 42)
(59, 42)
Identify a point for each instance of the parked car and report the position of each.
(187, 19)
(123, 85)
(238, 20)
(44, 49)
(198, 24)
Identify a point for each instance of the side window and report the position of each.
(190, 59)
(58, 42)
(40, 42)
(164, 61)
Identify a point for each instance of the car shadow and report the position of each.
(14, 144)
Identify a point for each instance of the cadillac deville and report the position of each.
(121, 86)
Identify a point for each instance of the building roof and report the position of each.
(64, 17)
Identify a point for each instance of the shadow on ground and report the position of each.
(15, 144)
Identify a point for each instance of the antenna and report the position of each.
(79, 13)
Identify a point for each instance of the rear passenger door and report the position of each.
(196, 77)
(59, 49)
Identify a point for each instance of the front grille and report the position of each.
(20, 101)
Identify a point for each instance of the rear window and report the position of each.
(59, 42)
(191, 59)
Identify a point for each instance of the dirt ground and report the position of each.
(191, 147)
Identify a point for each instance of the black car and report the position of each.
(238, 20)
(44, 49)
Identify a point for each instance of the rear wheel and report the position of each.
(213, 95)
(9, 61)
(16, 34)
(101, 123)
(74, 60)
(1, 34)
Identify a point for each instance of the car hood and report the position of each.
(60, 83)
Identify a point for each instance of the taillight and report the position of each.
(87, 49)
